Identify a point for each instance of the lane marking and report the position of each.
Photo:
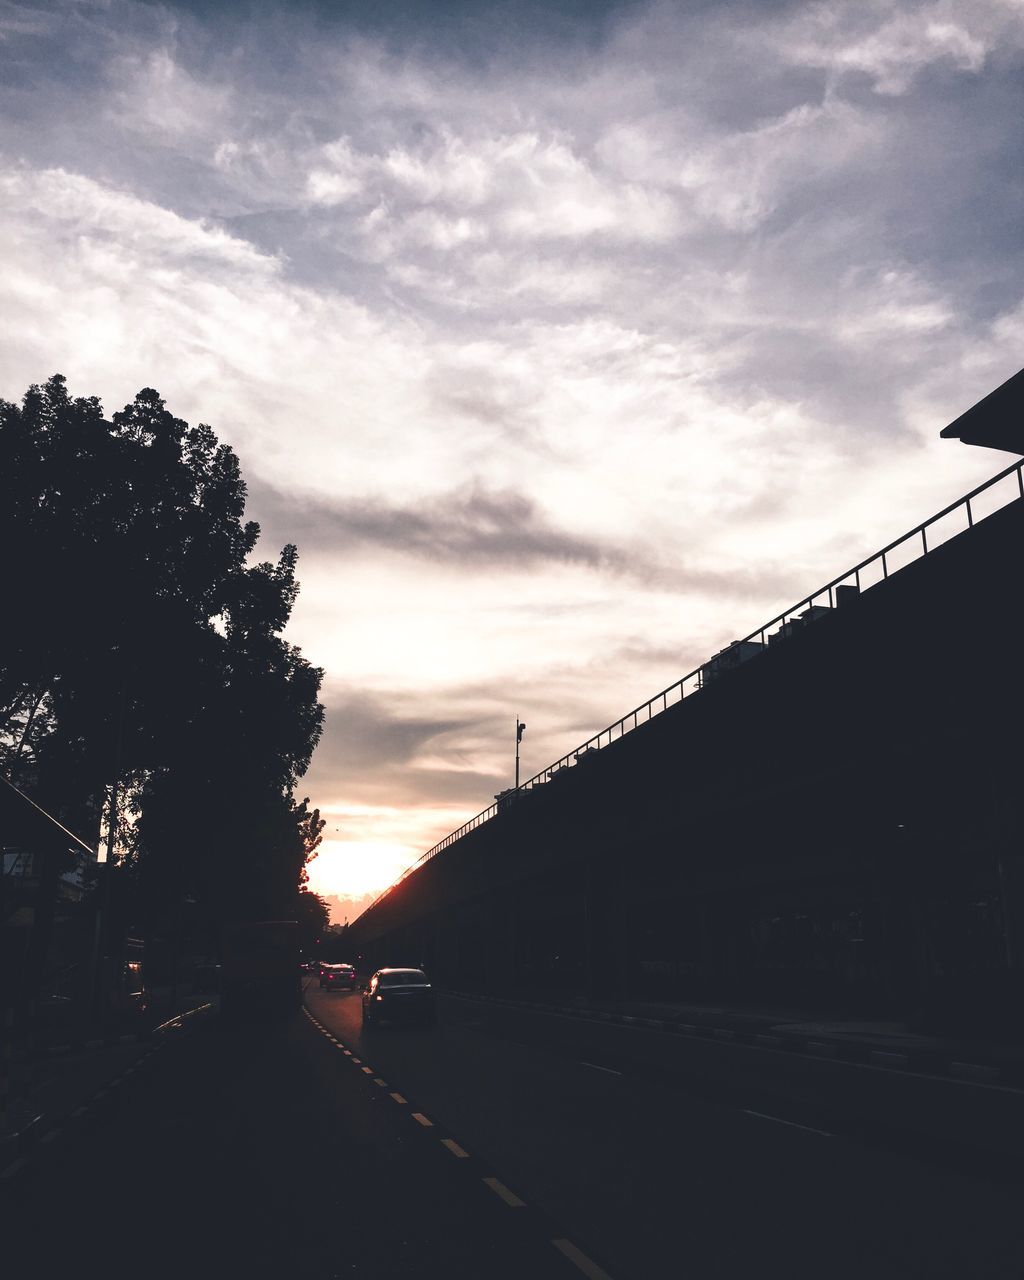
(594, 1067)
(767, 1045)
(383, 1083)
(454, 1148)
(54, 1133)
(974, 1071)
(510, 1197)
(368, 1070)
(13, 1168)
(792, 1123)
(79, 1111)
(420, 1118)
(357, 1061)
(348, 1052)
(399, 1099)
(886, 1057)
(590, 1269)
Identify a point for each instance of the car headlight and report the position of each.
(378, 997)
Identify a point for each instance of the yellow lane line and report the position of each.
(510, 1197)
(590, 1269)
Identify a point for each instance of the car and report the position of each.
(339, 975)
(399, 995)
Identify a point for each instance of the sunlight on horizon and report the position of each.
(351, 868)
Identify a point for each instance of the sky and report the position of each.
(568, 341)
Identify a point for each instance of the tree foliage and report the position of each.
(146, 644)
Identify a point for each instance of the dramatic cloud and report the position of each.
(567, 340)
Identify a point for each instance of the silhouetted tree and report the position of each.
(313, 916)
(142, 643)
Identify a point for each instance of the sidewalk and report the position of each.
(882, 1044)
(65, 1080)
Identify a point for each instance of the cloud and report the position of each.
(468, 525)
(567, 347)
(893, 46)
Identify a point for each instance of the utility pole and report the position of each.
(103, 909)
(519, 737)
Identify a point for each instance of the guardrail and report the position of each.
(868, 573)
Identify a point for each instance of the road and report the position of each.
(669, 1156)
(259, 1151)
(509, 1143)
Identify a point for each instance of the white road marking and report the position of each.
(399, 1099)
(590, 1269)
(348, 1052)
(368, 1070)
(510, 1197)
(973, 1071)
(13, 1168)
(454, 1148)
(383, 1083)
(420, 1118)
(594, 1067)
(766, 1044)
(54, 1133)
(357, 1061)
(887, 1058)
(792, 1123)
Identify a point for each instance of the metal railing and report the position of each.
(868, 573)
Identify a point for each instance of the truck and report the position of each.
(259, 968)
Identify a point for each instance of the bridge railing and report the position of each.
(958, 517)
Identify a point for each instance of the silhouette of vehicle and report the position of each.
(259, 967)
(399, 995)
(334, 976)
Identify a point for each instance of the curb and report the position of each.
(16, 1148)
(113, 1041)
(840, 1051)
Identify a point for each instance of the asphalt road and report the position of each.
(663, 1156)
(508, 1143)
(261, 1151)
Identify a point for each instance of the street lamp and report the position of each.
(520, 729)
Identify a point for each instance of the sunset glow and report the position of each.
(566, 352)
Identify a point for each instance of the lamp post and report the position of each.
(519, 737)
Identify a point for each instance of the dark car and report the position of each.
(334, 976)
(399, 995)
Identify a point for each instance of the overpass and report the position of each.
(827, 809)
